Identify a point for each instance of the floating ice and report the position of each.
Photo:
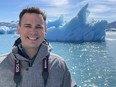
(78, 29)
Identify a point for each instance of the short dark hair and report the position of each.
(31, 10)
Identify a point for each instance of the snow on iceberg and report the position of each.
(55, 23)
(77, 29)
(7, 30)
(3, 29)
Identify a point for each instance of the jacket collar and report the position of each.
(42, 52)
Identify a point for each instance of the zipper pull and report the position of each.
(30, 63)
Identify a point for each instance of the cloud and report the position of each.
(70, 8)
(56, 12)
(102, 9)
(63, 7)
(112, 0)
(99, 8)
(54, 2)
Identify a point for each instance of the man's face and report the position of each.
(32, 30)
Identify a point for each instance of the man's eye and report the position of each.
(27, 26)
(39, 27)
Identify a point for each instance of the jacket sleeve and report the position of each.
(68, 81)
(6, 75)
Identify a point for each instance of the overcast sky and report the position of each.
(99, 9)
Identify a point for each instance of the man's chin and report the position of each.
(33, 46)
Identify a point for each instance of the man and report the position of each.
(30, 64)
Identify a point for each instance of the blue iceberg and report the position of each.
(78, 29)
(55, 23)
(2, 31)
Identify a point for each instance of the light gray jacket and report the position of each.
(59, 75)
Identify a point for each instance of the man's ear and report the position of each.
(45, 28)
(18, 29)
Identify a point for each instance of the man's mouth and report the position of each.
(33, 38)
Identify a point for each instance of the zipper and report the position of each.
(30, 63)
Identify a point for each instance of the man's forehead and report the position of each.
(32, 18)
(32, 15)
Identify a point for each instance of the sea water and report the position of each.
(91, 64)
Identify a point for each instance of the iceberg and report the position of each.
(78, 29)
(55, 23)
(2, 31)
(7, 30)
(11, 31)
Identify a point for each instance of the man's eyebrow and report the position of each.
(38, 25)
(27, 24)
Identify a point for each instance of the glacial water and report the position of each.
(91, 64)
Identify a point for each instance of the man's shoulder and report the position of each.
(2, 58)
(57, 59)
(56, 56)
(6, 59)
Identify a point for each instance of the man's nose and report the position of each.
(34, 31)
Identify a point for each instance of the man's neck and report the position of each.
(31, 52)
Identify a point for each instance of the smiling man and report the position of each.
(31, 64)
(32, 31)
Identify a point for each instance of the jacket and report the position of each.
(59, 75)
